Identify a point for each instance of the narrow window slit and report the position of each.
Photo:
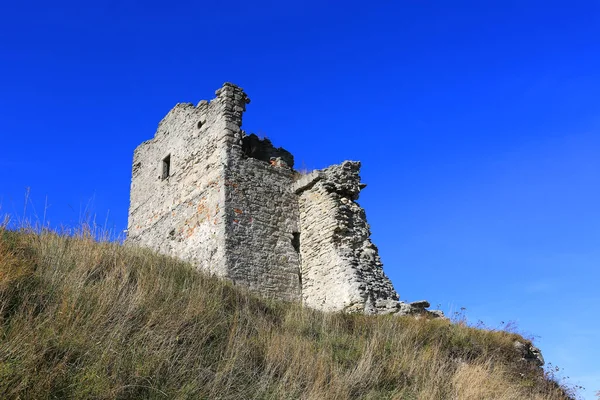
(296, 241)
(166, 167)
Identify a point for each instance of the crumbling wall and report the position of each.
(341, 268)
(263, 149)
(204, 191)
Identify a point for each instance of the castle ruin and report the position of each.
(230, 203)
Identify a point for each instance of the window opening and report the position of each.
(166, 167)
(296, 241)
(296, 246)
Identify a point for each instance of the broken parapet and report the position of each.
(263, 150)
(341, 267)
(205, 191)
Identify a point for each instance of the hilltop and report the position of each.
(84, 319)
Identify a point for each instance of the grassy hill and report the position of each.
(87, 320)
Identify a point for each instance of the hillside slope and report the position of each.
(87, 320)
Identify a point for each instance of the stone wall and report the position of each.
(261, 212)
(341, 268)
(262, 216)
(181, 214)
(205, 191)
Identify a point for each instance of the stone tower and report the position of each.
(230, 203)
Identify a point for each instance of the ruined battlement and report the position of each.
(206, 191)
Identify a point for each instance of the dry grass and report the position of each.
(86, 320)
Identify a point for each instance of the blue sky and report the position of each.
(477, 124)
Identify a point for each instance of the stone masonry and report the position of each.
(230, 203)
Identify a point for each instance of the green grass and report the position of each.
(86, 320)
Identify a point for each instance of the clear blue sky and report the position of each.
(477, 123)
